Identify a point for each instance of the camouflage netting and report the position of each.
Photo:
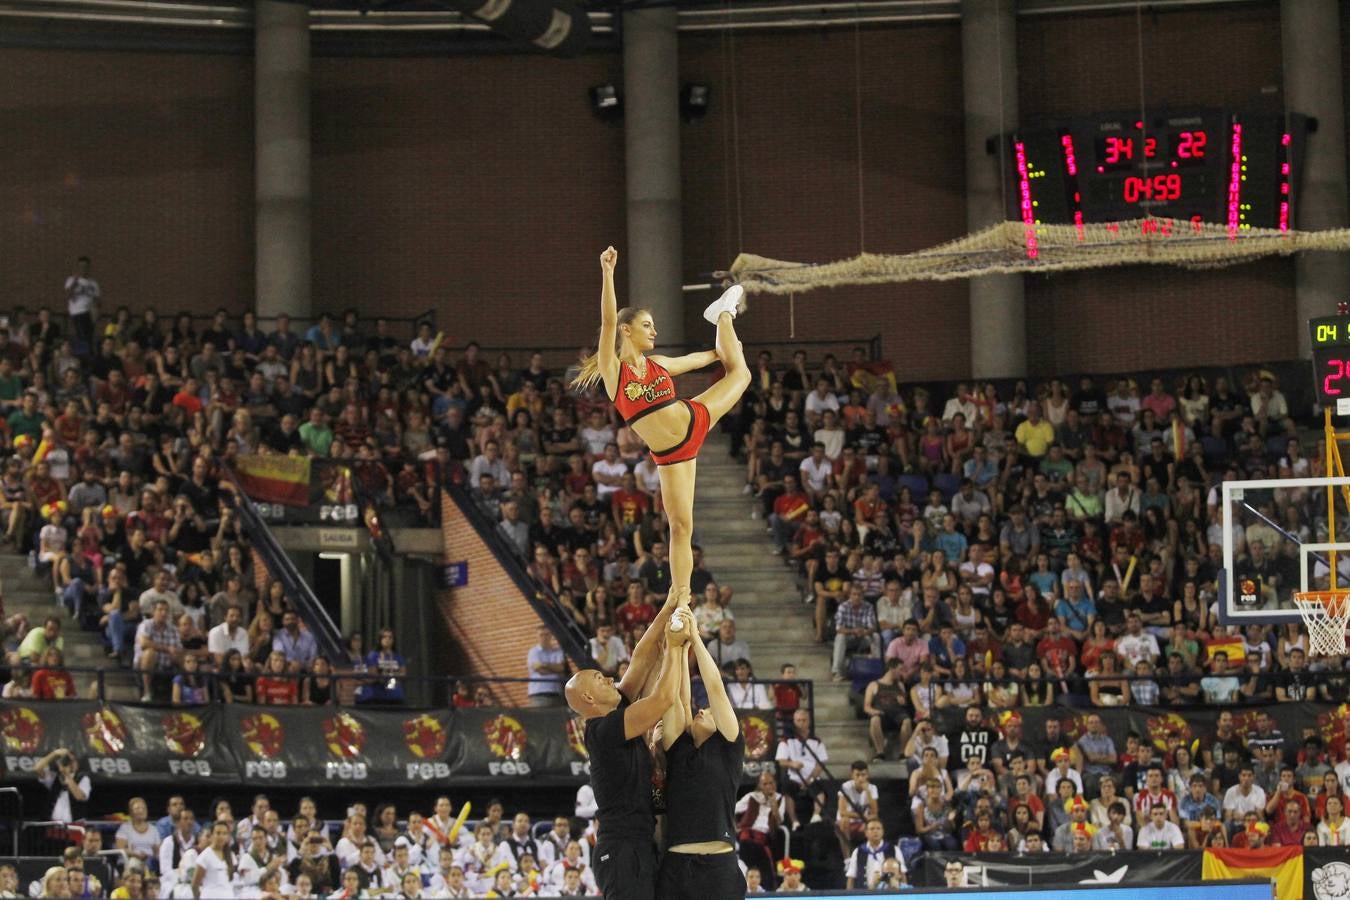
(1012, 247)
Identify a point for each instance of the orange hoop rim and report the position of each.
(1334, 602)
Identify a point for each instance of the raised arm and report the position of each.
(690, 362)
(609, 323)
(646, 652)
(676, 717)
(718, 701)
(643, 714)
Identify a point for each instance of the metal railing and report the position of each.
(8, 822)
(558, 357)
(433, 690)
(311, 610)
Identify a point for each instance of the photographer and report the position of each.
(68, 787)
(869, 862)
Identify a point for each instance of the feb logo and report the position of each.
(576, 736)
(105, 732)
(758, 736)
(183, 733)
(505, 737)
(1160, 726)
(22, 729)
(344, 736)
(263, 735)
(1247, 593)
(424, 736)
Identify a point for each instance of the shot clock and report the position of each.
(1331, 361)
(1229, 168)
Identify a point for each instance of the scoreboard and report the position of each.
(1331, 361)
(1228, 168)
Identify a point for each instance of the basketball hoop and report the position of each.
(1326, 614)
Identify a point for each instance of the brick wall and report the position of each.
(489, 626)
(142, 161)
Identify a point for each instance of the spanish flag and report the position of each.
(275, 479)
(1283, 865)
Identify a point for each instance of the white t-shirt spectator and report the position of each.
(805, 752)
(1168, 837)
(220, 641)
(595, 439)
(81, 292)
(144, 844)
(216, 880)
(1241, 803)
(1134, 647)
(61, 811)
(816, 404)
(815, 475)
(608, 469)
(969, 570)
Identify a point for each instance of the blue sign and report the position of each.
(455, 575)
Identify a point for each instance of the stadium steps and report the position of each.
(26, 593)
(770, 615)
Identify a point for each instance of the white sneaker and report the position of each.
(731, 301)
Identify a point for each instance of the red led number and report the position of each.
(1338, 365)
(1191, 145)
(1119, 148)
(1158, 188)
(1150, 147)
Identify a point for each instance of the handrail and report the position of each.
(18, 795)
(570, 637)
(211, 678)
(321, 625)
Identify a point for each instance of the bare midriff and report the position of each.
(702, 847)
(664, 428)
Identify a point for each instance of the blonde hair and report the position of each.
(589, 373)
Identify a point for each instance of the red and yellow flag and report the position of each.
(275, 479)
(1284, 865)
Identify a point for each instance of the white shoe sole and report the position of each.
(731, 301)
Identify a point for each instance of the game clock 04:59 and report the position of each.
(1331, 360)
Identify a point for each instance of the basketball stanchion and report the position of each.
(1325, 615)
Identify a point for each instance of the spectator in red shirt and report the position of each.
(634, 614)
(789, 512)
(978, 839)
(189, 397)
(52, 682)
(629, 505)
(1057, 651)
(274, 686)
(1288, 831)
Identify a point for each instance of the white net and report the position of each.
(1015, 247)
(1326, 614)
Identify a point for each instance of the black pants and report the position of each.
(699, 876)
(625, 870)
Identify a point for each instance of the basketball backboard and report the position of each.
(1299, 537)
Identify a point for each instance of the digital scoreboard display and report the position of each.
(1227, 168)
(1331, 361)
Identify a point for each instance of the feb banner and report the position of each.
(273, 478)
(1282, 865)
(1102, 869)
(295, 745)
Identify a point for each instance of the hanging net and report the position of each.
(1016, 247)
(1326, 615)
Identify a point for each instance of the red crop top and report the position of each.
(637, 397)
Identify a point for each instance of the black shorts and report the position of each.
(700, 876)
(625, 870)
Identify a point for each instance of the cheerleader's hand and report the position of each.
(608, 259)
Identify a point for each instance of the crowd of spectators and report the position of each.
(263, 854)
(114, 433)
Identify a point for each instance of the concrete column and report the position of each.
(1311, 39)
(281, 136)
(651, 113)
(998, 337)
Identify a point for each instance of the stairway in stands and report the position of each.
(770, 615)
(26, 593)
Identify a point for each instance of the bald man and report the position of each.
(617, 722)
